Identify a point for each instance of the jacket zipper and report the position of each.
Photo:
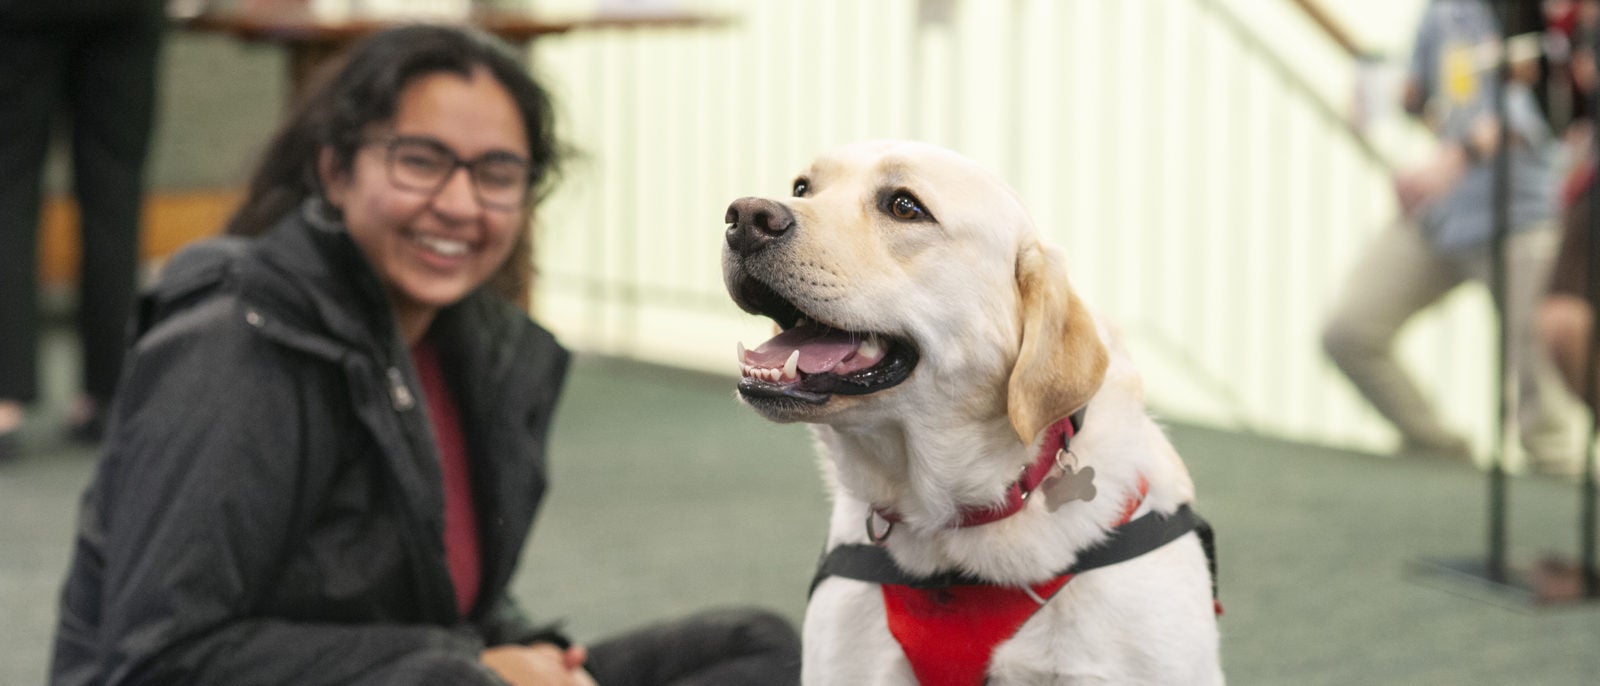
(399, 392)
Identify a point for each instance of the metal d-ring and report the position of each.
(875, 537)
(1066, 452)
(1066, 470)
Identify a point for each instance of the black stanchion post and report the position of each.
(1495, 564)
(1587, 494)
(1492, 572)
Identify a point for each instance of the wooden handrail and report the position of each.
(1334, 30)
(1249, 39)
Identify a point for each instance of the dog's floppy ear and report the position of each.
(1061, 361)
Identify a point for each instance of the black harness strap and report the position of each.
(873, 564)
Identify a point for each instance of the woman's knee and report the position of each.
(758, 629)
(1564, 324)
(1563, 320)
(1346, 337)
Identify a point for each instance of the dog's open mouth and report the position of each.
(810, 360)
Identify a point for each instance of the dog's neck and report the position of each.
(1052, 460)
(929, 468)
(924, 468)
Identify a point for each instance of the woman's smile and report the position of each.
(440, 253)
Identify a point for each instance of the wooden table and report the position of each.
(311, 40)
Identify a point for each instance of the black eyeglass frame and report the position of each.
(392, 142)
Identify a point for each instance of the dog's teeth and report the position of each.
(741, 352)
(792, 367)
(870, 348)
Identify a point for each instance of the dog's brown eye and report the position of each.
(904, 206)
(800, 187)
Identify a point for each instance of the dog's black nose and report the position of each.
(755, 223)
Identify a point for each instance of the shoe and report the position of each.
(86, 422)
(1555, 450)
(1556, 467)
(1445, 447)
(10, 430)
(90, 429)
(1567, 465)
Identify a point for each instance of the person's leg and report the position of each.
(1565, 325)
(31, 69)
(715, 648)
(1547, 415)
(1396, 276)
(113, 99)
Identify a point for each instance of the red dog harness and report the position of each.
(949, 633)
(949, 624)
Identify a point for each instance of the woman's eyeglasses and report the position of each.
(424, 165)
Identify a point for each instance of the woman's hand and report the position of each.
(541, 664)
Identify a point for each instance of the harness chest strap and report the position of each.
(949, 624)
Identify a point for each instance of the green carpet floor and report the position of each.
(670, 497)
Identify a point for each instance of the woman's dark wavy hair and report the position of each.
(365, 88)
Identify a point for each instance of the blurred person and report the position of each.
(95, 62)
(1442, 237)
(330, 445)
(1566, 317)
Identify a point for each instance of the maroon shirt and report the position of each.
(461, 544)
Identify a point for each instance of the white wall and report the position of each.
(1206, 196)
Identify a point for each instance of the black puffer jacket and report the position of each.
(268, 509)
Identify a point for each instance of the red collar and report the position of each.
(1056, 438)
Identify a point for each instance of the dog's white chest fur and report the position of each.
(1145, 621)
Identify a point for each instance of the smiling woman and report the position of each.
(330, 446)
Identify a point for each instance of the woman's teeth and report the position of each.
(442, 246)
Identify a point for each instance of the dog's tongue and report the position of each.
(822, 350)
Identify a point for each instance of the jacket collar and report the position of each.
(336, 286)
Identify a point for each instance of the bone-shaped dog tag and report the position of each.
(1066, 485)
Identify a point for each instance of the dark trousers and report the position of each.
(101, 74)
(715, 648)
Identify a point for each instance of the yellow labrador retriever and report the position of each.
(1004, 510)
